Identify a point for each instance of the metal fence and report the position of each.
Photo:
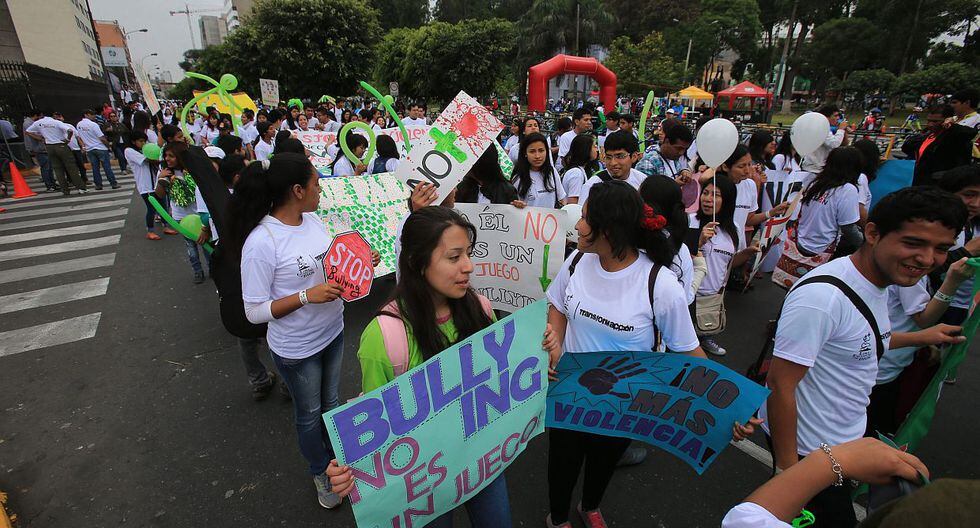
(24, 86)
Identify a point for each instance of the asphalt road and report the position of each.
(123, 402)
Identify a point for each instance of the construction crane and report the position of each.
(187, 11)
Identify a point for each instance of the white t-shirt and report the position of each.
(683, 268)
(412, 121)
(145, 182)
(54, 131)
(746, 203)
(903, 303)
(248, 133)
(263, 150)
(91, 135)
(635, 179)
(331, 126)
(178, 211)
(572, 181)
(784, 163)
(202, 207)
(864, 191)
(151, 137)
(208, 134)
(821, 218)
(511, 141)
(343, 167)
(280, 261)
(564, 144)
(821, 329)
(815, 161)
(73, 142)
(610, 311)
(718, 252)
(537, 196)
(751, 515)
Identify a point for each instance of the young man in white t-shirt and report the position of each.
(416, 115)
(581, 123)
(622, 151)
(612, 126)
(814, 161)
(825, 357)
(96, 149)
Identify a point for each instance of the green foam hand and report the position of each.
(372, 144)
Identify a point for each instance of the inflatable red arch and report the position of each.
(539, 75)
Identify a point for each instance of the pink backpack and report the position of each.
(396, 337)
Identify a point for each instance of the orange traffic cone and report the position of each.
(21, 189)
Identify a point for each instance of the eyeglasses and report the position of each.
(618, 157)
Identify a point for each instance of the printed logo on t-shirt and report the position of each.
(743, 206)
(866, 348)
(603, 321)
(302, 268)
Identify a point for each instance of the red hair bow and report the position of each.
(651, 220)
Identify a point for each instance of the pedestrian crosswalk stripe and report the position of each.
(39, 184)
(73, 219)
(63, 231)
(54, 295)
(57, 268)
(45, 199)
(65, 200)
(65, 209)
(49, 334)
(62, 247)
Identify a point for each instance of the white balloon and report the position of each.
(573, 214)
(717, 140)
(809, 132)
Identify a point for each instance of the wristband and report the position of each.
(942, 297)
(303, 300)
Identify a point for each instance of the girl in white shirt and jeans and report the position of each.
(282, 243)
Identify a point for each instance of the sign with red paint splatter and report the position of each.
(348, 263)
(458, 137)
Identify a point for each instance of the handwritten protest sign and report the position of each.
(318, 141)
(457, 138)
(373, 205)
(348, 263)
(270, 91)
(683, 405)
(770, 237)
(517, 253)
(148, 94)
(428, 441)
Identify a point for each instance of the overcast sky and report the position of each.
(168, 34)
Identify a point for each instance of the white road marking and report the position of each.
(54, 295)
(12, 226)
(63, 247)
(65, 209)
(47, 199)
(62, 231)
(49, 334)
(57, 268)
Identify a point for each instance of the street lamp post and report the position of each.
(147, 57)
(126, 39)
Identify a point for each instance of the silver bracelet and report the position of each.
(303, 300)
(942, 297)
(835, 466)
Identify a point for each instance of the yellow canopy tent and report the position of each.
(242, 98)
(693, 93)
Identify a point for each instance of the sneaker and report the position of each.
(549, 524)
(324, 496)
(712, 347)
(198, 277)
(632, 456)
(83, 191)
(115, 185)
(262, 392)
(169, 231)
(98, 188)
(152, 236)
(950, 381)
(592, 519)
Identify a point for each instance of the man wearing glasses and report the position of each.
(622, 150)
(814, 162)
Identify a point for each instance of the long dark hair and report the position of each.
(726, 215)
(758, 142)
(580, 155)
(522, 169)
(141, 121)
(385, 145)
(259, 191)
(353, 141)
(740, 151)
(523, 126)
(843, 166)
(615, 210)
(870, 157)
(785, 147)
(664, 196)
(486, 178)
(420, 236)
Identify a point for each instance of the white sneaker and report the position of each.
(712, 347)
(326, 498)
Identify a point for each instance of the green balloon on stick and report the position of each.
(643, 120)
(372, 144)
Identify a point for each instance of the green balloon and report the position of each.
(192, 223)
(389, 99)
(372, 144)
(152, 151)
(228, 82)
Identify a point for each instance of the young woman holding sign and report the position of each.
(621, 244)
(279, 235)
(536, 180)
(434, 307)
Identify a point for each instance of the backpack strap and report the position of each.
(575, 259)
(395, 337)
(604, 175)
(858, 303)
(651, 282)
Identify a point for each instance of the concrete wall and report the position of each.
(57, 34)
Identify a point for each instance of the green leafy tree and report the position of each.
(841, 46)
(391, 54)
(944, 78)
(638, 18)
(456, 10)
(401, 13)
(511, 10)
(723, 24)
(644, 66)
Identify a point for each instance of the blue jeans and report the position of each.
(120, 152)
(101, 157)
(47, 173)
(489, 508)
(314, 384)
(192, 255)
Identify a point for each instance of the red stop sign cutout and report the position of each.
(348, 263)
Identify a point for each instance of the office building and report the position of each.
(53, 34)
(213, 30)
(234, 10)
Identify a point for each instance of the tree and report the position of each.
(453, 11)
(944, 78)
(644, 66)
(862, 83)
(638, 18)
(723, 24)
(841, 46)
(401, 13)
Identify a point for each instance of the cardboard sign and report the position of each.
(457, 138)
(317, 141)
(681, 404)
(435, 436)
(517, 252)
(148, 95)
(770, 237)
(270, 91)
(373, 205)
(348, 263)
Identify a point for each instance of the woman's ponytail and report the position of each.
(248, 205)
